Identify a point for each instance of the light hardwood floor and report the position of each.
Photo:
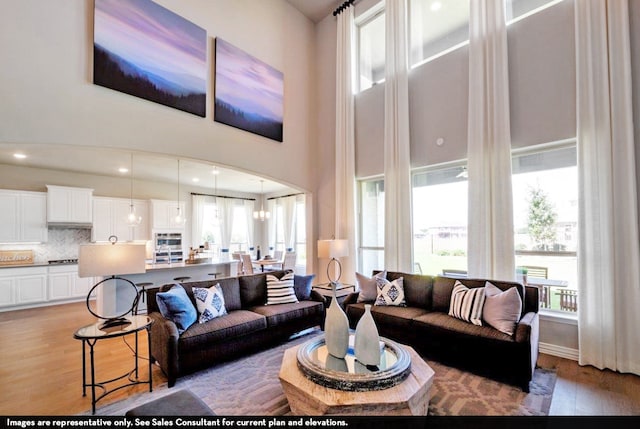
(41, 370)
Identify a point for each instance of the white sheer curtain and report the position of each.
(609, 258)
(271, 226)
(345, 220)
(397, 169)
(198, 203)
(225, 211)
(248, 212)
(289, 221)
(490, 246)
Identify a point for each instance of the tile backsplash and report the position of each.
(63, 243)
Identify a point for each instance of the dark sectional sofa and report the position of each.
(425, 325)
(248, 326)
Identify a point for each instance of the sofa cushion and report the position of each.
(210, 302)
(367, 286)
(176, 306)
(253, 289)
(390, 293)
(501, 308)
(302, 286)
(387, 315)
(444, 323)
(232, 325)
(418, 289)
(283, 313)
(466, 304)
(280, 290)
(230, 289)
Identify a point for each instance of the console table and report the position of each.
(90, 334)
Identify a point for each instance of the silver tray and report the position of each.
(348, 374)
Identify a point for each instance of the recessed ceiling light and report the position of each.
(19, 155)
(195, 180)
(123, 170)
(215, 171)
(435, 6)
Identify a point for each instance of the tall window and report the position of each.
(437, 27)
(300, 232)
(545, 215)
(371, 49)
(371, 249)
(239, 231)
(211, 233)
(518, 8)
(440, 220)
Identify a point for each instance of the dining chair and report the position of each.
(289, 262)
(277, 255)
(247, 265)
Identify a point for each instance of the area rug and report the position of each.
(250, 386)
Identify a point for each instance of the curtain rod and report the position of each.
(223, 196)
(285, 196)
(342, 7)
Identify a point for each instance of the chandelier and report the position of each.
(261, 215)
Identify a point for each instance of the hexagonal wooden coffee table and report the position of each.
(410, 397)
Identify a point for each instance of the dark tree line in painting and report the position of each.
(228, 114)
(108, 73)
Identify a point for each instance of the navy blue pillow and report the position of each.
(302, 286)
(176, 306)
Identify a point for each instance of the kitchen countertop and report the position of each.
(36, 264)
(151, 267)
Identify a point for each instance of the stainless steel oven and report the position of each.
(168, 247)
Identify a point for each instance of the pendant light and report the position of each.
(179, 219)
(133, 219)
(215, 173)
(261, 215)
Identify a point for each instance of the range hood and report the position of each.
(69, 225)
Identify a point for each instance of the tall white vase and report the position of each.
(367, 341)
(336, 328)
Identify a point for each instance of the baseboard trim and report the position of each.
(560, 351)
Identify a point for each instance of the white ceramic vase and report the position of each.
(336, 328)
(367, 341)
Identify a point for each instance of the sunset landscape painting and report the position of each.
(248, 92)
(146, 50)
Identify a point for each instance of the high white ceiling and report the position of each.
(146, 166)
(315, 10)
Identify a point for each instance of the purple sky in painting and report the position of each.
(248, 83)
(154, 39)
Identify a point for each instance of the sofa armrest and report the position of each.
(164, 345)
(352, 298)
(526, 327)
(315, 296)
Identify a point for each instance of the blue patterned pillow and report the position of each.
(390, 293)
(176, 306)
(210, 302)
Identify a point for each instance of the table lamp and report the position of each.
(111, 261)
(333, 249)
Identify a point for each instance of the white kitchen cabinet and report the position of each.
(23, 217)
(67, 205)
(23, 286)
(110, 218)
(163, 214)
(65, 284)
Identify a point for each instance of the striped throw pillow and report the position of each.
(281, 291)
(466, 304)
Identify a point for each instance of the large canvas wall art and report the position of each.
(145, 50)
(248, 92)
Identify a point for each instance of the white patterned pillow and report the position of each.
(281, 291)
(210, 302)
(466, 304)
(390, 293)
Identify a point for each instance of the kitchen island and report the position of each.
(116, 300)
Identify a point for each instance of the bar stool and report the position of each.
(181, 279)
(141, 295)
(215, 275)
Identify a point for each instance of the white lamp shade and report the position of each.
(111, 259)
(333, 248)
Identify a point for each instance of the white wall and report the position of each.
(48, 95)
